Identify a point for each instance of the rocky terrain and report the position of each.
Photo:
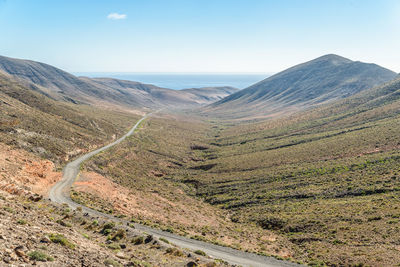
(34, 231)
(39, 132)
(41, 233)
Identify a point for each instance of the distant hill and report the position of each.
(60, 85)
(321, 80)
(211, 94)
(148, 95)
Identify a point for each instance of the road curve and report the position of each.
(60, 193)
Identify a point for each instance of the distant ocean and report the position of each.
(182, 81)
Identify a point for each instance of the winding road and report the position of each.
(60, 193)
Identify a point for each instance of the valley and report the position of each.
(319, 185)
(301, 168)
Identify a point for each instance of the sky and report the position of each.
(203, 36)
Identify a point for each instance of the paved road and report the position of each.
(60, 193)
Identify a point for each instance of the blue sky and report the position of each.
(198, 35)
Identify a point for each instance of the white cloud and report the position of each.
(116, 16)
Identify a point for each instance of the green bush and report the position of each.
(114, 246)
(61, 239)
(21, 221)
(107, 228)
(138, 240)
(39, 256)
(200, 252)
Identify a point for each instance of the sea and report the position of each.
(180, 81)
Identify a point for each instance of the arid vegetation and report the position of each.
(147, 164)
(319, 186)
(324, 181)
(62, 237)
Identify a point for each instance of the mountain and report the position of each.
(60, 85)
(318, 81)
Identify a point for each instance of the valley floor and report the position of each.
(318, 191)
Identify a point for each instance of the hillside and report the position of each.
(37, 136)
(60, 85)
(319, 186)
(37, 232)
(318, 81)
(55, 130)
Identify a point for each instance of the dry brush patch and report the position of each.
(302, 180)
(145, 167)
(325, 181)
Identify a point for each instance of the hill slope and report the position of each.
(324, 180)
(60, 85)
(54, 129)
(321, 80)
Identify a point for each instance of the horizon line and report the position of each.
(167, 73)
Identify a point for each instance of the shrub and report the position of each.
(148, 239)
(61, 239)
(200, 252)
(21, 221)
(112, 262)
(63, 223)
(174, 251)
(8, 209)
(164, 240)
(39, 256)
(107, 228)
(272, 223)
(114, 246)
(120, 234)
(106, 231)
(375, 218)
(138, 240)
